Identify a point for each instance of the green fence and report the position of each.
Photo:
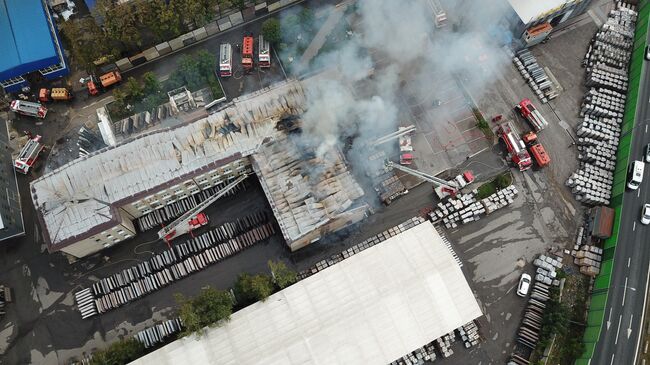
(596, 314)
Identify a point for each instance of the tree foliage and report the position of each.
(282, 275)
(120, 352)
(161, 18)
(271, 30)
(120, 23)
(209, 307)
(133, 89)
(86, 42)
(249, 288)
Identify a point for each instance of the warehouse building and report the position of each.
(90, 203)
(531, 21)
(371, 308)
(29, 42)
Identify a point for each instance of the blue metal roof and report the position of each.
(26, 41)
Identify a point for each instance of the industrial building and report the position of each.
(11, 214)
(29, 42)
(90, 203)
(371, 308)
(531, 21)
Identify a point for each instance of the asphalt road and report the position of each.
(619, 337)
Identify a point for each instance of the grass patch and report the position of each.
(499, 182)
(482, 124)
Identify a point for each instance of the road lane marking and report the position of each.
(609, 318)
(638, 194)
(629, 328)
(634, 226)
(618, 330)
(624, 291)
(646, 128)
(611, 362)
(628, 261)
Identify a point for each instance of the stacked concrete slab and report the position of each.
(606, 62)
(466, 208)
(535, 75)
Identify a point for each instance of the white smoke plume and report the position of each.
(393, 44)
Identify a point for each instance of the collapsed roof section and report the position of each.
(309, 194)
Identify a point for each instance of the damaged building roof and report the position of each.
(76, 199)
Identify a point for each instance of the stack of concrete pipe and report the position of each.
(174, 210)
(172, 265)
(465, 208)
(336, 258)
(603, 107)
(535, 75)
(152, 336)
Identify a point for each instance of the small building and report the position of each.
(371, 308)
(29, 42)
(530, 14)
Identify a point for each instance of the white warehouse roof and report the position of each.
(528, 10)
(371, 308)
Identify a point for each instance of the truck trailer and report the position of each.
(106, 80)
(54, 94)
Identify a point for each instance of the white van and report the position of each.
(636, 175)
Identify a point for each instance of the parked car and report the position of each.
(646, 153)
(524, 285)
(647, 53)
(645, 214)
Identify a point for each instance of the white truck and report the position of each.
(28, 108)
(636, 175)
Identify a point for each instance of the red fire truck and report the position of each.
(264, 54)
(28, 108)
(29, 155)
(247, 53)
(516, 147)
(225, 60)
(532, 115)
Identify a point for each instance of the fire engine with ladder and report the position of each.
(441, 187)
(264, 54)
(28, 108)
(516, 147)
(225, 60)
(195, 218)
(29, 154)
(532, 115)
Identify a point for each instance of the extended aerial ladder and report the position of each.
(402, 131)
(183, 224)
(446, 187)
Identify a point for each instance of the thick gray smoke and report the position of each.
(393, 46)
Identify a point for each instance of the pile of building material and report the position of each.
(535, 75)
(588, 257)
(172, 265)
(88, 141)
(390, 188)
(517, 359)
(154, 335)
(466, 208)
(606, 62)
(142, 121)
(444, 344)
(175, 209)
(309, 192)
(5, 297)
(334, 259)
(531, 325)
(547, 267)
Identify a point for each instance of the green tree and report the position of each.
(120, 352)
(282, 275)
(249, 289)
(188, 68)
(86, 42)
(271, 30)
(241, 4)
(210, 307)
(134, 90)
(151, 84)
(206, 62)
(160, 18)
(120, 23)
(502, 180)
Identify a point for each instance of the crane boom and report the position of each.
(432, 179)
(182, 221)
(389, 137)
